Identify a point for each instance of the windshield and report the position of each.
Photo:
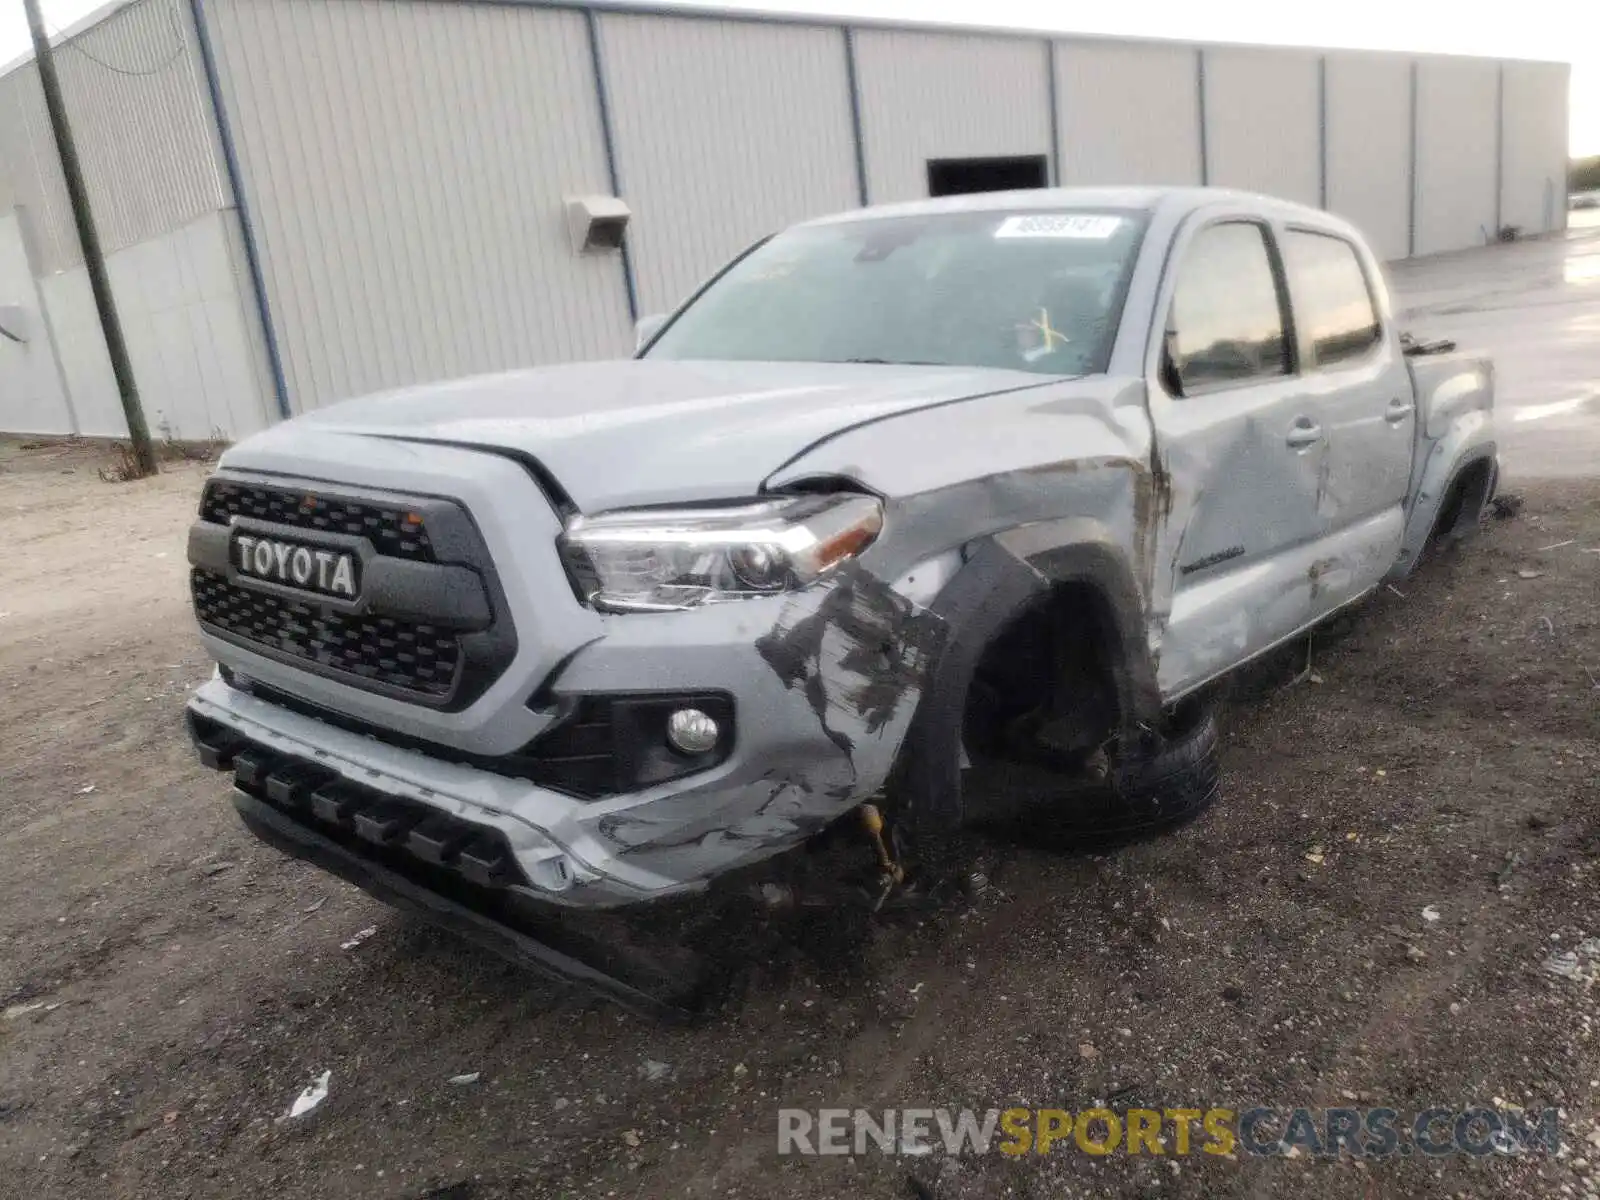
(1032, 291)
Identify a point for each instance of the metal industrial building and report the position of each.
(303, 200)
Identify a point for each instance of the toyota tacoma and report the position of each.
(905, 508)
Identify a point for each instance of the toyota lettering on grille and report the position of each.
(293, 564)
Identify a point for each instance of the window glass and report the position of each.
(1332, 302)
(1226, 326)
(1033, 291)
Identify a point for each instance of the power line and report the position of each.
(75, 43)
(89, 239)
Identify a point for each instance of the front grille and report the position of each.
(394, 531)
(414, 657)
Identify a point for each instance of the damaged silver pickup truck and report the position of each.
(904, 502)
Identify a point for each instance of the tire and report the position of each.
(1168, 779)
(1171, 779)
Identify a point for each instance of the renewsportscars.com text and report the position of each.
(1256, 1132)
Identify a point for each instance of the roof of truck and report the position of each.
(1136, 199)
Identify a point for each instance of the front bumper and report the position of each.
(472, 912)
(824, 684)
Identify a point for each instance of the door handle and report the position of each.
(1398, 411)
(1304, 434)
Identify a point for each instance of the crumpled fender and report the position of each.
(1469, 443)
(1455, 397)
(998, 502)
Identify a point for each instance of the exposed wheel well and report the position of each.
(1044, 688)
(1469, 492)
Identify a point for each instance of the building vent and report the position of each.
(596, 223)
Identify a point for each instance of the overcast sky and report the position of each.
(1548, 29)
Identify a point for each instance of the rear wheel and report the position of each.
(1463, 506)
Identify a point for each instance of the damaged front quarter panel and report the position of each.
(957, 473)
(987, 509)
(860, 681)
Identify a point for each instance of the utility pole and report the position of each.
(144, 454)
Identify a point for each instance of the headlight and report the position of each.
(646, 560)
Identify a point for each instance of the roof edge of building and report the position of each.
(712, 12)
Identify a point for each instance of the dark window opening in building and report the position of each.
(959, 176)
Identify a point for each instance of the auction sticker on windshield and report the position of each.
(1091, 226)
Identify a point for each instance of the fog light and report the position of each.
(691, 731)
(554, 874)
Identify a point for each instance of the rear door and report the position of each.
(1243, 443)
(1354, 368)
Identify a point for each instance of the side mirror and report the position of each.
(646, 328)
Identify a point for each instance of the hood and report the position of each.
(651, 431)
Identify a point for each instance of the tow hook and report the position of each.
(890, 873)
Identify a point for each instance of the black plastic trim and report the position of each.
(445, 912)
(441, 594)
(625, 750)
(1001, 577)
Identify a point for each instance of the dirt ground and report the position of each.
(169, 986)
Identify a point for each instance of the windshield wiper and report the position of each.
(894, 362)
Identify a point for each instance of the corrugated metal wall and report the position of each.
(29, 175)
(1369, 147)
(725, 131)
(1262, 120)
(33, 394)
(1457, 107)
(190, 325)
(1127, 113)
(406, 165)
(931, 95)
(1534, 171)
(407, 162)
(142, 125)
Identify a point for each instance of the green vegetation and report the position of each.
(1584, 174)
